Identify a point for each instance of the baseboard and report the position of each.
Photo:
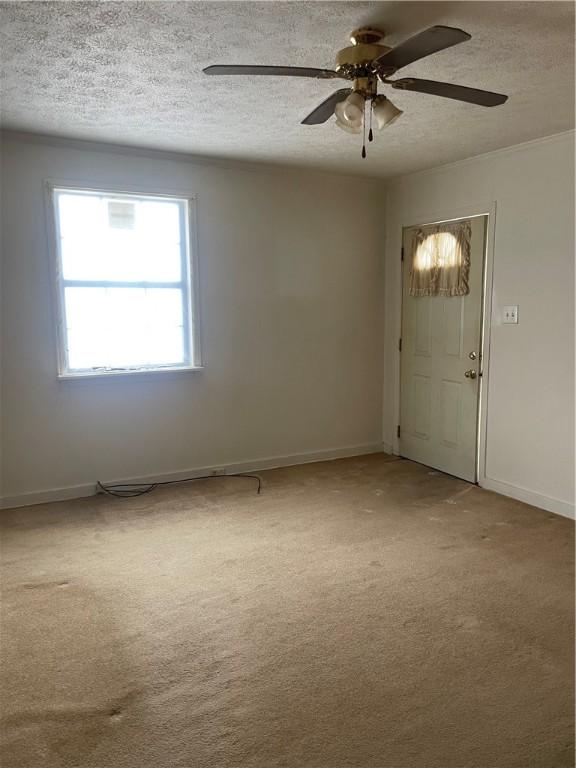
(548, 503)
(89, 489)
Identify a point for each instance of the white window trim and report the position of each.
(191, 265)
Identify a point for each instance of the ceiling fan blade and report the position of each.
(430, 41)
(449, 91)
(326, 109)
(242, 69)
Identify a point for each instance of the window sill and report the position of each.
(152, 373)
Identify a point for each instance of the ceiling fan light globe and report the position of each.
(348, 127)
(385, 113)
(353, 107)
(352, 126)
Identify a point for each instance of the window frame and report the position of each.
(189, 282)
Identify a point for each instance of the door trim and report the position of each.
(439, 216)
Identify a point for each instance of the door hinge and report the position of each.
(402, 253)
(398, 431)
(400, 344)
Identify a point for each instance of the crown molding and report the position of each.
(223, 163)
(503, 151)
(208, 161)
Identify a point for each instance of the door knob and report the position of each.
(470, 374)
(472, 355)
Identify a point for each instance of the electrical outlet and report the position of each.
(510, 314)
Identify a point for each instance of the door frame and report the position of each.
(434, 217)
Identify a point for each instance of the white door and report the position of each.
(440, 366)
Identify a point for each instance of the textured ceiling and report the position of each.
(130, 73)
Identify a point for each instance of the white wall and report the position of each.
(292, 321)
(292, 327)
(529, 451)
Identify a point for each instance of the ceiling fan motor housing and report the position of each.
(356, 61)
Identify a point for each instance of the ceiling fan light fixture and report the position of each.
(353, 108)
(385, 113)
(350, 126)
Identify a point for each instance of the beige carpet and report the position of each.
(366, 612)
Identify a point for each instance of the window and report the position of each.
(438, 251)
(440, 264)
(124, 282)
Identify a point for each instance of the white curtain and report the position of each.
(440, 259)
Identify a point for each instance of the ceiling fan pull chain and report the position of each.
(364, 132)
(370, 134)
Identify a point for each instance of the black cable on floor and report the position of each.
(130, 490)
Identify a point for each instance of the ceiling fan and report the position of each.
(366, 62)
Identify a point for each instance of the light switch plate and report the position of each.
(510, 314)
